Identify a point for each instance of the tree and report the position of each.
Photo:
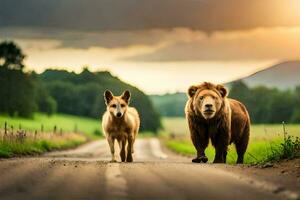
(282, 107)
(17, 91)
(268, 105)
(240, 91)
(11, 56)
(46, 103)
(259, 106)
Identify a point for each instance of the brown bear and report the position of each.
(211, 115)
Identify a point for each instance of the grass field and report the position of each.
(265, 141)
(13, 145)
(16, 145)
(67, 123)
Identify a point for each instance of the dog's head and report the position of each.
(117, 105)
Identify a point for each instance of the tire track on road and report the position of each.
(116, 184)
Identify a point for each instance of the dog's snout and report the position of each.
(208, 106)
(119, 114)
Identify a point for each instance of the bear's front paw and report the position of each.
(196, 160)
(203, 159)
(216, 161)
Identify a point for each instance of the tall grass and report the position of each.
(21, 142)
(287, 149)
(68, 123)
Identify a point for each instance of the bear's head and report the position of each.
(207, 99)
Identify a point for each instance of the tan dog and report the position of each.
(120, 122)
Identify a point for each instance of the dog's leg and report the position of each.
(132, 148)
(111, 142)
(123, 151)
(129, 148)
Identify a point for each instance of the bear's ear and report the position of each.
(108, 96)
(192, 91)
(126, 96)
(223, 91)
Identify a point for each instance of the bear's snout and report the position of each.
(208, 107)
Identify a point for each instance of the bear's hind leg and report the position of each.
(221, 154)
(224, 156)
(240, 149)
(241, 146)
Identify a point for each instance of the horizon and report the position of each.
(241, 76)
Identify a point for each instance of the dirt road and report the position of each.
(85, 173)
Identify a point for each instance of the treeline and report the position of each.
(268, 105)
(265, 105)
(61, 91)
(170, 105)
(82, 94)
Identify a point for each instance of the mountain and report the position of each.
(284, 75)
(82, 94)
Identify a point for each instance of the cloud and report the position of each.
(160, 45)
(257, 44)
(103, 15)
(102, 39)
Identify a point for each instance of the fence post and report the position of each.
(54, 129)
(284, 131)
(75, 128)
(11, 136)
(20, 127)
(5, 128)
(42, 128)
(35, 134)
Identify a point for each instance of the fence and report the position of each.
(9, 134)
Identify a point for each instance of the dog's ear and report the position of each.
(192, 91)
(223, 91)
(108, 96)
(126, 96)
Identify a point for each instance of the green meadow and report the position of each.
(265, 141)
(76, 130)
(30, 145)
(68, 123)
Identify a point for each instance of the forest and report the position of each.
(23, 93)
(268, 105)
(265, 105)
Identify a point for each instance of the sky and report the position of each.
(158, 46)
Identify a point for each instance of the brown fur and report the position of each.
(230, 123)
(124, 128)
